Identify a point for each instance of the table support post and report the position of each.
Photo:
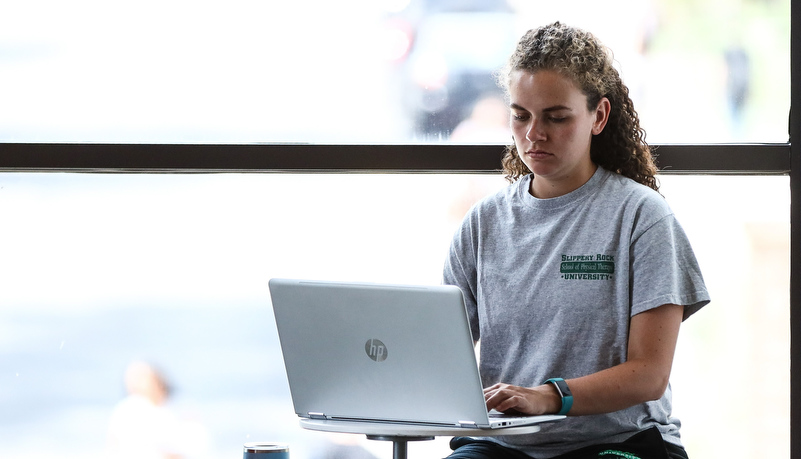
(399, 448)
(400, 443)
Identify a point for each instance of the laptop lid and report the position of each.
(377, 352)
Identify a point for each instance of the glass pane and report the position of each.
(101, 270)
(740, 231)
(358, 71)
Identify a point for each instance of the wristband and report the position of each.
(564, 393)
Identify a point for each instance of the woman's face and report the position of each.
(552, 130)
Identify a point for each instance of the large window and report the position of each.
(356, 71)
(100, 270)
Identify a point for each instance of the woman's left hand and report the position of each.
(525, 400)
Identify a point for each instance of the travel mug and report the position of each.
(266, 451)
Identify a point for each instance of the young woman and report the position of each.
(577, 276)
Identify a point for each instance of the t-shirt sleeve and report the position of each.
(461, 270)
(664, 269)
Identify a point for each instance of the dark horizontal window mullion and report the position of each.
(300, 158)
(760, 159)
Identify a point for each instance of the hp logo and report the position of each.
(376, 350)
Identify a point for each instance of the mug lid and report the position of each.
(266, 447)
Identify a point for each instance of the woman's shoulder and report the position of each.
(636, 203)
(623, 189)
(497, 199)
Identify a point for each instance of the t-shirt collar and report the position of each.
(524, 184)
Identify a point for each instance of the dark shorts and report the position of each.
(647, 444)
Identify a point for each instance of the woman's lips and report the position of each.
(538, 154)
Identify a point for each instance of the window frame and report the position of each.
(750, 159)
(795, 231)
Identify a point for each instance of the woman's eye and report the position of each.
(557, 119)
(519, 117)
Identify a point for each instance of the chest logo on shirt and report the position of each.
(587, 267)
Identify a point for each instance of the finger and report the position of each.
(505, 405)
(497, 397)
(508, 404)
(493, 387)
(492, 390)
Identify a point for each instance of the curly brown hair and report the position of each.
(577, 54)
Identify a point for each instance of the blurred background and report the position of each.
(99, 271)
(370, 71)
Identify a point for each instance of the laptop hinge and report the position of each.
(467, 424)
(316, 415)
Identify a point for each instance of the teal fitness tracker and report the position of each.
(564, 392)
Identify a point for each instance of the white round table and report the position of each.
(400, 434)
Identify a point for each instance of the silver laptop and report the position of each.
(382, 353)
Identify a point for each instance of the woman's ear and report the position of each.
(601, 115)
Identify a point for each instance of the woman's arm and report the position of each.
(643, 377)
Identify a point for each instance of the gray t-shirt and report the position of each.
(551, 285)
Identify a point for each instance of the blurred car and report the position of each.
(456, 46)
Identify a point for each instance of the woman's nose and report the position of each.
(534, 132)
